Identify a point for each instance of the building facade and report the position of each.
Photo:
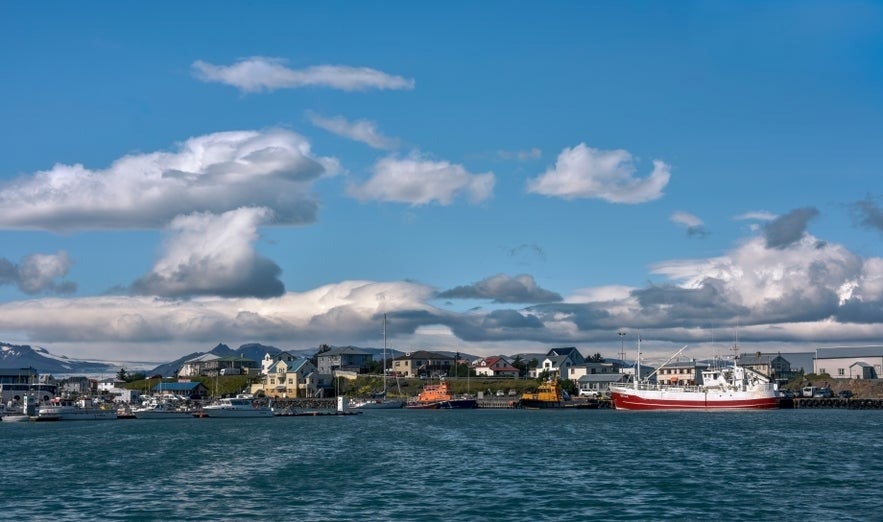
(422, 364)
(850, 362)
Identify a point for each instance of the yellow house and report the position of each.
(289, 379)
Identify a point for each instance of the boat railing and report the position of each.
(650, 386)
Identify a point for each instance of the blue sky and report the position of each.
(497, 177)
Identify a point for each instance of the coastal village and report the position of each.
(348, 379)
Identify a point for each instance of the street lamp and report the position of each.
(621, 333)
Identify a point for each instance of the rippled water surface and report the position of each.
(451, 465)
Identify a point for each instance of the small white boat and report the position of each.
(19, 412)
(243, 405)
(14, 415)
(160, 410)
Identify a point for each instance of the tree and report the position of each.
(322, 349)
(596, 358)
(122, 375)
(520, 365)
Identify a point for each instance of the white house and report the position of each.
(850, 362)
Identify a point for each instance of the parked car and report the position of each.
(786, 394)
(824, 393)
(588, 393)
(845, 394)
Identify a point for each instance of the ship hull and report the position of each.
(540, 404)
(636, 400)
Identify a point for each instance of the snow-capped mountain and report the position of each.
(24, 356)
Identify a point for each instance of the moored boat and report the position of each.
(379, 401)
(376, 403)
(733, 387)
(243, 405)
(439, 397)
(548, 395)
(160, 409)
(67, 410)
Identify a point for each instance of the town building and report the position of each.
(850, 362)
(422, 364)
(595, 376)
(268, 360)
(345, 359)
(189, 389)
(774, 366)
(496, 366)
(291, 379)
(212, 365)
(558, 360)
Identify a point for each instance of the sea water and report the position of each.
(451, 465)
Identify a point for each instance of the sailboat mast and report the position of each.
(384, 355)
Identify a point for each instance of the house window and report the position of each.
(841, 371)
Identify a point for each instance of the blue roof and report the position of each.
(177, 386)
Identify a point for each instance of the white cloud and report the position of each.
(584, 172)
(363, 131)
(307, 318)
(37, 273)
(686, 219)
(418, 181)
(259, 73)
(694, 225)
(210, 173)
(755, 275)
(210, 254)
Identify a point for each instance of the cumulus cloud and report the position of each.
(293, 317)
(37, 273)
(208, 254)
(788, 229)
(212, 173)
(258, 73)
(418, 181)
(694, 225)
(868, 214)
(804, 293)
(584, 172)
(362, 131)
(502, 288)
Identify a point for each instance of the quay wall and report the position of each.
(836, 402)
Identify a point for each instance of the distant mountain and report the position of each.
(253, 351)
(24, 356)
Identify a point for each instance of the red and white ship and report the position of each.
(728, 388)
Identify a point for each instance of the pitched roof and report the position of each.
(848, 352)
(345, 350)
(177, 386)
(423, 354)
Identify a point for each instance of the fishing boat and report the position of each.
(730, 387)
(379, 401)
(439, 397)
(548, 395)
(243, 405)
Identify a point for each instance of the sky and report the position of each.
(494, 177)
